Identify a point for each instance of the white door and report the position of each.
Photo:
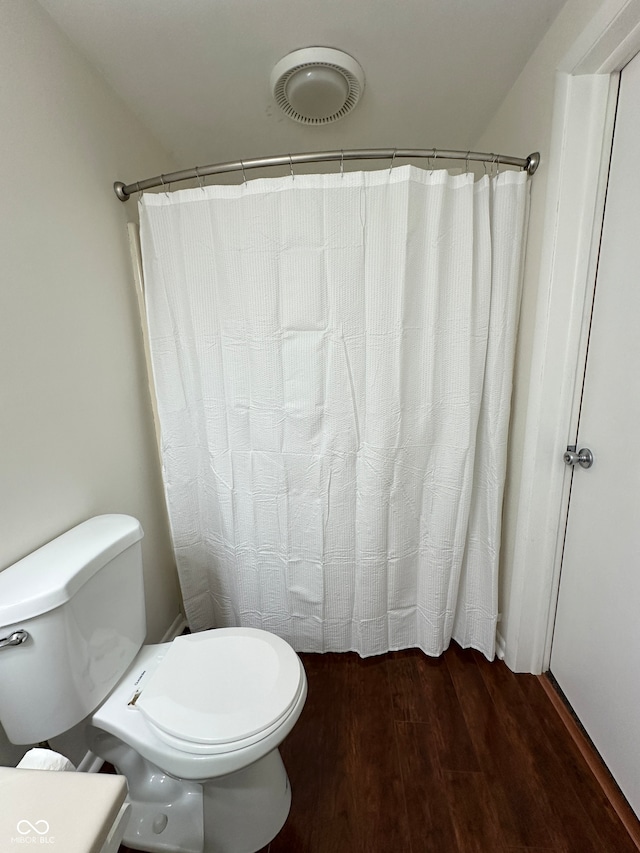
(596, 644)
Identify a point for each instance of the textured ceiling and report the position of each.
(197, 71)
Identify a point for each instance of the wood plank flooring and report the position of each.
(408, 754)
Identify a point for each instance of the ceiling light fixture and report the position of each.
(317, 85)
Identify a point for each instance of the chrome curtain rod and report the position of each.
(124, 191)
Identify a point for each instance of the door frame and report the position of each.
(586, 91)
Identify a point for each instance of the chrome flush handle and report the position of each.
(15, 639)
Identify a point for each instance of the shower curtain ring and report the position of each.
(341, 163)
(293, 177)
(244, 176)
(166, 192)
(199, 177)
(497, 165)
(466, 161)
(395, 151)
(435, 157)
(138, 190)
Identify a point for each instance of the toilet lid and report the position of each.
(221, 686)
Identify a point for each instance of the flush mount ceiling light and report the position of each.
(317, 85)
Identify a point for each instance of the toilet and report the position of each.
(194, 724)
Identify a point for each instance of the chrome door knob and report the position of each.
(583, 457)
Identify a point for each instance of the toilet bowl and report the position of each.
(194, 724)
(211, 709)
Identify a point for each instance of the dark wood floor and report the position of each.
(407, 754)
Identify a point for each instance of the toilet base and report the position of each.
(238, 813)
(170, 824)
(166, 813)
(244, 811)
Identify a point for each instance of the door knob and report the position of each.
(583, 457)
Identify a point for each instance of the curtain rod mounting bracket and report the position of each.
(533, 161)
(119, 190)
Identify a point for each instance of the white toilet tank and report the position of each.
(80, 599)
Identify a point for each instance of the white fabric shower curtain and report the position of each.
(332, 357)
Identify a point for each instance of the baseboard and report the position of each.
(612, 792)
(500, 646)
(175, 629)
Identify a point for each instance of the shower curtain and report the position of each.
(332, 356)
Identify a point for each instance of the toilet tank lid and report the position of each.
(52, 575)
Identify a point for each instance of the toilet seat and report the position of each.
(221, 690)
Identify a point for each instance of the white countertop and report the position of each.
(67, 812)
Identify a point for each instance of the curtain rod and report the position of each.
(124, 191)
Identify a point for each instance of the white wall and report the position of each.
(524, 124)
(77, 434)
